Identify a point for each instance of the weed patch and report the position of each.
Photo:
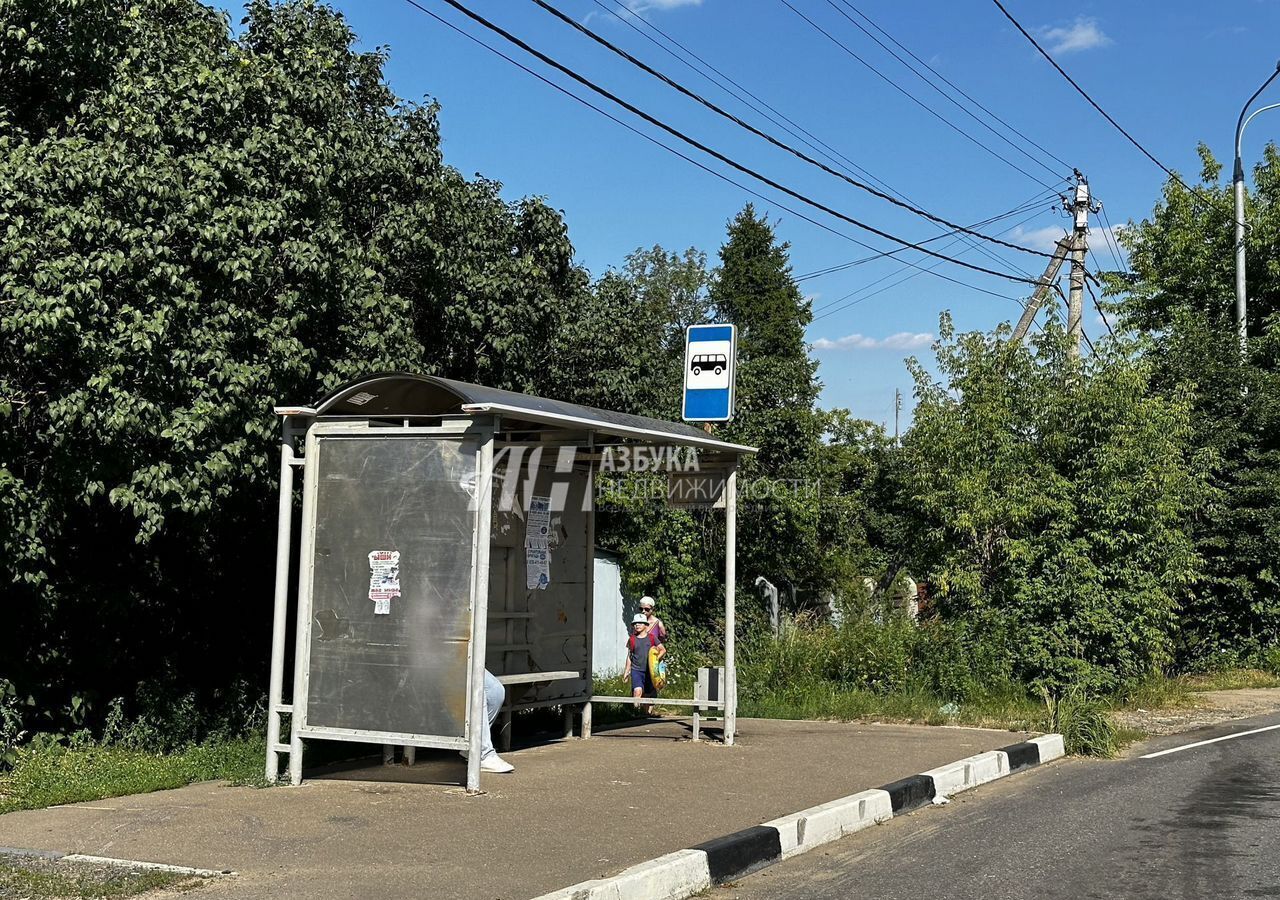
(47, 772)
(1232, 679)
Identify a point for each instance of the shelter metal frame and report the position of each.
(400, 405)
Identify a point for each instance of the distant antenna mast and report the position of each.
(897, 411)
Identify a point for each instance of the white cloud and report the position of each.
(1037, 238)
(627, 9)
(1045, 239)
(903, 340)
(646, 5)
(1103, 242)
(1082, 34)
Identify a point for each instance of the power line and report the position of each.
(1112, 242)
(958, 89)
(681, 136)
(949, 244)
(1098, 306)
(773, 114)
(908, 277)
(957, 104)
(1081, 91)
(1106, 239)
(840, 267)
(685, 157)
(912, 97)
(791, 126)
(781, 145)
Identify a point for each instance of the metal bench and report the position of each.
(505, 716)
(509, 707)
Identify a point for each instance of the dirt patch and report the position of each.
(1205, 708)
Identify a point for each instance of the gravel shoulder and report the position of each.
(1203, 708)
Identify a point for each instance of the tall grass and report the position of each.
(879, 665)
(1085, 725)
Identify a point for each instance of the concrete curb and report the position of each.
(688, 872)
(112, 861)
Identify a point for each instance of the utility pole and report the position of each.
(897, 411)
(1047, 281)
(1080, 244)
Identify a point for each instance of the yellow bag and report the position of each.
(657, 669)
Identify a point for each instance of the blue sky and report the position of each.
(1173, 72)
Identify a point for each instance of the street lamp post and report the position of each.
(1242, 302)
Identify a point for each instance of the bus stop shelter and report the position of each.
(447, 527)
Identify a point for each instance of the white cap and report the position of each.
(646, 600)
(641, 618)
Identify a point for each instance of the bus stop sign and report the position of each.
(710, 368)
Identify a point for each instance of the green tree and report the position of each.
(622, 346)
(1181, 296)
(626, 346)
(777, 389)
(194, 227)
(1052, 500)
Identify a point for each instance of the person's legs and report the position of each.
(494, 694)
(639, 679)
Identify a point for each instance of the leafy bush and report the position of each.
(1052, 497)
(11, 730)
(1269, 660)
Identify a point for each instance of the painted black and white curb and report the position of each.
(688, 872)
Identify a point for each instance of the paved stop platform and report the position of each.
(573, 810)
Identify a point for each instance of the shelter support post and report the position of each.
(300, 631)
(589, 502)
(279, 625)
(730, 582)
(477, 721)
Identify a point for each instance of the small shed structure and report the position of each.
(447, 528)
(610, 614)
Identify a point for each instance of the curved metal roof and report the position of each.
(393, 394)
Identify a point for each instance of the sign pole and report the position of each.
(730, 598)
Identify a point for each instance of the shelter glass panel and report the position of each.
(391, 576)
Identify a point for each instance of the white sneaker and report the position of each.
(495, 763)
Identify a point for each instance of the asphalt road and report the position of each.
(1203, 822)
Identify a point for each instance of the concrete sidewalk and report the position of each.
(573, 810)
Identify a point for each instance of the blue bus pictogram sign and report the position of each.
(710, 364)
